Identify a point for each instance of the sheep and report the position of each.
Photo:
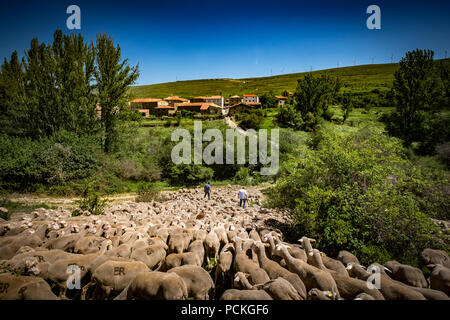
(88, 244)
(274, 270)
(221, 234)
(155, 286)
(114, 276)
(234, 294)
(316, 294)
(332, 264)
(244, 264)
(14, 287)
(432, 256)
(9, 247)
(364, 296)
(390, 289)
(278, 289)
(212, 245)
(349, 288)
(57, 272)
(311, 276)
(198, 281)
(225, 262)
(440, 278)
(153, 255)
(174, 260)
(197, 248)
(346, 257)
(179, 242)
(406, 274)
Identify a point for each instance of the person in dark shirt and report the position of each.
(208, 191)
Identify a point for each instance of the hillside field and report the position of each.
(363, 78)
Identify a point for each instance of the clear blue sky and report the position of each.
(236, 39)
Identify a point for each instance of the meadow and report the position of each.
(357, 79)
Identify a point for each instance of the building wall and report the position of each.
(250, 99)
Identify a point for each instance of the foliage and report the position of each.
(113, 77)
(91, 202)
(57, 159)
(148, 192)
(251, 119)
(418, 92)
(268, 100)
(357, 191)
(289, 117)
(347, 106)
(189, 174)
(313, 97)
(51, 89)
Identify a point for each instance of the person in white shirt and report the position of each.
(243, 196)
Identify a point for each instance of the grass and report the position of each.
(356, 79)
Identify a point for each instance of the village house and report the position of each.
(250, 98)
(281, 100)
(173, 101)
(217, 100)
(234, 100)
(240, 107)
(200, 107)
(147, 106)
(164, 111)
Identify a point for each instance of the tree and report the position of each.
(416, 92)
(51, 89)
(289, 117)
(113, 76)
(268, 100)
(313, 96)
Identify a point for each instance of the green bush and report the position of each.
(288, 117)
(252, 119)
(60, 158)
(91, 202)
(148, 192)
(189, 174)
(357, 191)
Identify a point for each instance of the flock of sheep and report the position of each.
(189, 248)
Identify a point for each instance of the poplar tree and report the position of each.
(113, 77)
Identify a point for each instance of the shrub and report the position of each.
(251, 119)
(189, 174)
(91, 202)
(288, 117)
(148, 192)
(357, 191)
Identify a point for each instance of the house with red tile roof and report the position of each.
(250, 98)
(174, 100)
(200, 107)
(281, 100)
(218, 100)
(148, 104)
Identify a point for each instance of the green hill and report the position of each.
(356, 79)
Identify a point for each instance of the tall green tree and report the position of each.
(417, 92)
(12, 96)
(313, 97)
(113, 76)
(51, 89)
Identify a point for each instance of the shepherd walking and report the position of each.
(208, 191)
(243, 196)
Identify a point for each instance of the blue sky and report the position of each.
(184, 40)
